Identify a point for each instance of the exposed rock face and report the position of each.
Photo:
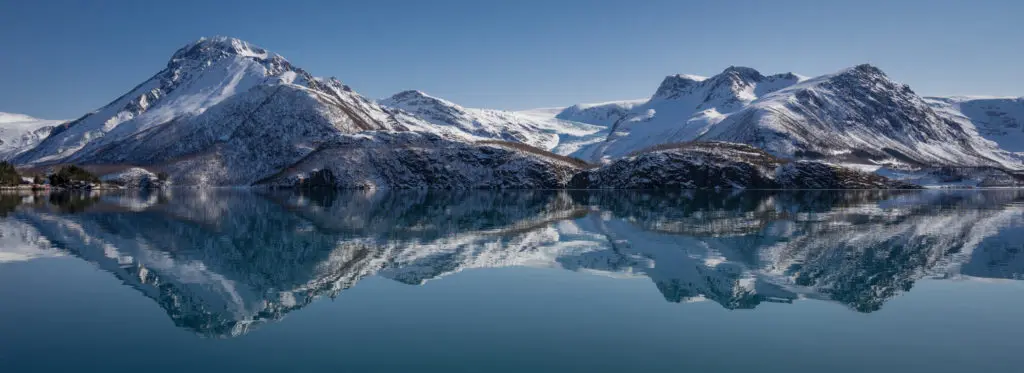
(817, 175)
(713, 165)
(422, 161)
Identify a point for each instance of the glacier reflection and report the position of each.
(220, 262)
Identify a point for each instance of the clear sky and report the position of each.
(61, 59)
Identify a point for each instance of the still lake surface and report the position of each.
(756, 281)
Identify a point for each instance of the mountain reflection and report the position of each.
(221, 261)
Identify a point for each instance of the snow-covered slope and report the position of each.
(857, 115)
(19, 132)
(536, 128)
(1000, 119)
(603, 113)
(219, 101)
(682, 109)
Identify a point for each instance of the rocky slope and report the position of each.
(19, 133)
(421, 161)
(712, 165)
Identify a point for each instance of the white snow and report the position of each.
(855, 109)
(20, 132)
(538, 128)
(1000, 119)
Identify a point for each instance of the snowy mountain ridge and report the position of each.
(226, 112)
(198, 78)
(857, 115)
(20, 132)
(560, 136)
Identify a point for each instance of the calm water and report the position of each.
(223, 281)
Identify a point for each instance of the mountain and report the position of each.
(857, 115)
(531, 128)
(226, 112)
(1000, 119)
(222, 106)
(682, 109)
(19, 132)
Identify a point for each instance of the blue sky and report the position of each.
(61, 59)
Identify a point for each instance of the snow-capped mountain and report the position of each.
(447, 118)
(682, 109)
(19, 132)
(1000, 119)
(857, 115)
(225, 112)
(236, 109)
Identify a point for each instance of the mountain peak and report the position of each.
(745, 73)
(866, 76)
(416, 97)
(865, 69)
(411, 93)
(219, 46)
(672, 85)
(786, 76)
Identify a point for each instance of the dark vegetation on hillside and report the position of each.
(544, 153)
(9, 175)
(69, 176)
